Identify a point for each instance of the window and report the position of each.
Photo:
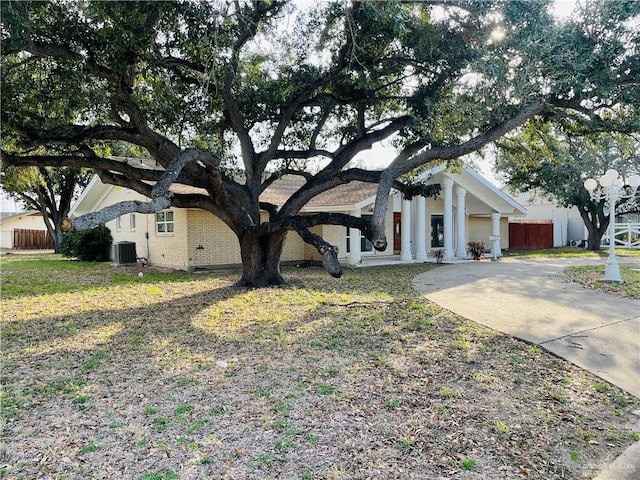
(119, 224)
(365, 245)
(437, 231)
(132, 222)
(164, 222)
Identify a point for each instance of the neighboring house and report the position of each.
(24, 230)
(468, 208)
(565, 225)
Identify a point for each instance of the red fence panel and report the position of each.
(527, 236)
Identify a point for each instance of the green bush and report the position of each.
(91, 245)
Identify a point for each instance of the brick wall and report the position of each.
(170, 249)
(219, 244)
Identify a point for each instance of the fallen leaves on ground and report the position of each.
(115, 376)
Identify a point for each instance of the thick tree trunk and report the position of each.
(57, 240)
(52, 224)
(261, 253)
(593, 240)
(597, 224)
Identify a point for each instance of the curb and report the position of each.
(625, 467)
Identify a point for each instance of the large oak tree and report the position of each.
(227, 96)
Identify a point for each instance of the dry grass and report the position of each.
(108, 375)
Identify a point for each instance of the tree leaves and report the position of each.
(261, 83)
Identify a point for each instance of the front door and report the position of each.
(396, 232)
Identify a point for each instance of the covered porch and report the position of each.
(469, 208)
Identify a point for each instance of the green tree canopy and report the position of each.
(47, 190)
(554, 164)
(229, 96)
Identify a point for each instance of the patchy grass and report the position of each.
(592, 276)
(175, 376)
(571, 252)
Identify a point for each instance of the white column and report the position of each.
(447, 192)
(354, 244)
(421, 229)
(405, 231)
(461, 220)
(496, 251)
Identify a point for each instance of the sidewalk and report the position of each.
(528, 299)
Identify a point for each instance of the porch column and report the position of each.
(461, 219)
(421, 229)
(354, 243)
(496, 251)
(405, 231)
(447, 191)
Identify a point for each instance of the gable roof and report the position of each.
(342, 197)
(483, 198)
(339, 198)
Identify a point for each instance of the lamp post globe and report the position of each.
(613, 173)
(590, 184)
(612, 189)
(606, 180)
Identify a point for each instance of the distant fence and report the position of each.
(530, 235)
(627, 235)
(32, 239)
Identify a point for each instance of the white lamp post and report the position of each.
(612, 188)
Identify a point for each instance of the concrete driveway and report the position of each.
(529, 299)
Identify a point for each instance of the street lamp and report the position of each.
(612, 188)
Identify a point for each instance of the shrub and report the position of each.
(91, 245)
(475, 249)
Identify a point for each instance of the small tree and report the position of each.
(48, 190)
(555, 164)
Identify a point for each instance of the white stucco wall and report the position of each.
(26, 221)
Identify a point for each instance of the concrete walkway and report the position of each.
(529, 299)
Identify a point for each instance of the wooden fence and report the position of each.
(526, 236)
(32, 239)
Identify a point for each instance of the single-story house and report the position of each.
(468, 208)
(24, 230)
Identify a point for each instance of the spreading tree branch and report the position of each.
(160, 194)
(407, 161)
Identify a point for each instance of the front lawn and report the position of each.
(109, 375)
(592, 276)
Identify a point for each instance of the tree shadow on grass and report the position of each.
(213, 320)
(323, 358)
